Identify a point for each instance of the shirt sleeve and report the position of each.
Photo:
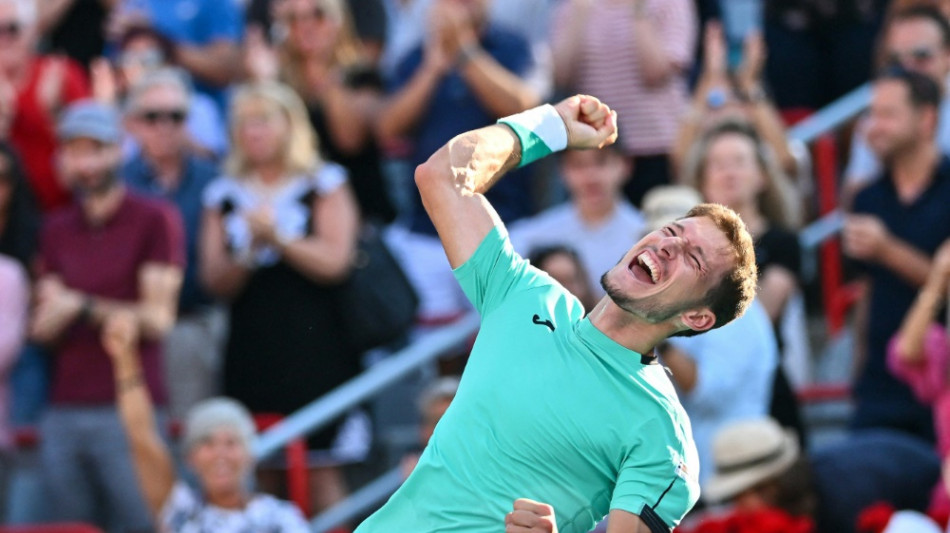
(167, 238)
(657, 483)
(75, 83)
(677, 28)
(221, 20)
(495, 272)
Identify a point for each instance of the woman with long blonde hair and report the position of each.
(278, 237)
(316, 52)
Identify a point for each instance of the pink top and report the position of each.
(609, 69)
(930, 381)
(14, 304)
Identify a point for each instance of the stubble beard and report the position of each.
(651, 312)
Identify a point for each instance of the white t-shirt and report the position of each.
(735, 370)
(599, 247)
(186, 512)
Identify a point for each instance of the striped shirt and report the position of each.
(608, 67)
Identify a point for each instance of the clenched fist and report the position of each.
(529, 516)
(590, 123)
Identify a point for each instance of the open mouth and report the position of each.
(645, 269)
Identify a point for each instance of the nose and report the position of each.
(670, 246)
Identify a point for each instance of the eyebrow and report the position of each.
(702, 255)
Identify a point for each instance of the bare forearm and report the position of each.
(655, 65)
(153, 462)
(500, 91)
(910, 338)
(769, 125)
(905, 260)
(405, 109)
(155, 320)
(317, 260)
(224, 277)
(217, 63)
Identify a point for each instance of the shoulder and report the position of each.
(503, 39)
(222, 189)
(329, 177)
(871, 193)
(203, 169)
(181, 504)
(11, 272)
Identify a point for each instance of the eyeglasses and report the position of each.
(155, 116)
(10, 29)
(317, 14)
(150, 58)
(913, 56)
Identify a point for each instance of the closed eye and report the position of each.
(669, 230)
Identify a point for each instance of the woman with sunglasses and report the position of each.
(278, 237)
(317, 53)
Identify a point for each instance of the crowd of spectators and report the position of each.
(184, 183)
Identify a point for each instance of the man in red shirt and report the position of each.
(42, 85)
(110, 250)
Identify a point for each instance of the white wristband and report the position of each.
(541, 131)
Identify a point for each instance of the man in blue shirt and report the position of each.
(897, 223)
(157, 109)
(466, 75)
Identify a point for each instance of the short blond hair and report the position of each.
(300, 150)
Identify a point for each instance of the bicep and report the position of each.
(336, 219)
(451, 183)
(159, 284)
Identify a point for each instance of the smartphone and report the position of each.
(739, 19)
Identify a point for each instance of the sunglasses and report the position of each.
(10, 29)
(152, 117)
(317, 14)
(916, 55)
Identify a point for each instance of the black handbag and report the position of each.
(377, 301)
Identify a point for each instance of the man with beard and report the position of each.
(896, 226)
(111, 250)
(554, 406)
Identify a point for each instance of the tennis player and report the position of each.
(553, 406)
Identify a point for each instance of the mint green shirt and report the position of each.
(549, 408)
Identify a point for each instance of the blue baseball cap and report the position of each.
(90, 119)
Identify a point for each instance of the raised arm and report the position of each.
(453, 180)
(910, 338)
(153, 462)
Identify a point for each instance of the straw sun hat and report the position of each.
(747, 453)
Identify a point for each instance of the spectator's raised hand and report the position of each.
(8, 96)
(754, 54)
(49, 89)
(529, 516)
(260, 58)
(105, 88)
(590, 123)
(714, 49)
(120, 335)
(864, 237)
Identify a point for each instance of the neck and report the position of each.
(99, 207)
(168, 169)
(914, 168)
(270, 173)
(628, 330)
(595, 212)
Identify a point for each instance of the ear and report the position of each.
(699, 319)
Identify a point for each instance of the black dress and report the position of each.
(284, 347)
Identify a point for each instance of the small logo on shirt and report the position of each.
(537, 320)
(682, 471)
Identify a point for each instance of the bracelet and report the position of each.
(129, 383)
(541, 132)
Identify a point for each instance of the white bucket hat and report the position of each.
(747, 453)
